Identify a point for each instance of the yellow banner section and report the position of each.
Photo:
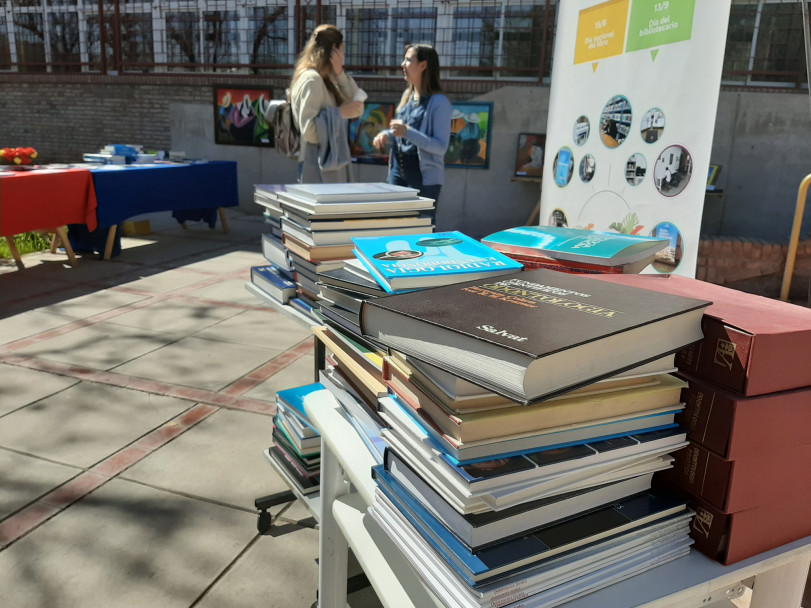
(601, 31)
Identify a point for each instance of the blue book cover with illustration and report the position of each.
(587, 246)
(416, 261)
(293, 399)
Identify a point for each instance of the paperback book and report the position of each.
(417, 261)
(535, 334)
(352, 192)
(269, 279)
(607, 249)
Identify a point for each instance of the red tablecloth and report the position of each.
(46, 198)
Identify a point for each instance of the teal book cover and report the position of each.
(417, 261)
(608, 248)
(293, 398)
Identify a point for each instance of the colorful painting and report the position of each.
(529, 156)
(471, 124)
(239, 116)
(362, 131)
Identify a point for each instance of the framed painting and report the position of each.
(471, 125)
(362, 130)
(239, 116)
(529, 155)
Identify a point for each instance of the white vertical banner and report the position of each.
(632, 106)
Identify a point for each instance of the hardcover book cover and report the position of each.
(743, 483)
(534, 334)
(732, 537)
(417, 261)
(352, 192)
(733, 426)
(752, 345)
(293, 398)
(585, 246)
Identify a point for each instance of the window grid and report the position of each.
(478, 39)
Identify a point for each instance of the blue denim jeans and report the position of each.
(405, 171)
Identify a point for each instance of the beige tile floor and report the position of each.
(136, 398)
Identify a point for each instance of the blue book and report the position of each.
(269, 280)
(580, 530)
(292, 399)
(417, 261)
(573, 245)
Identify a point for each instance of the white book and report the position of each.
(352, 191)
(341, 237)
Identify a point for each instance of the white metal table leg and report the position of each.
(333, 551)
(782, 586)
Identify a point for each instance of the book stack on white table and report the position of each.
(347, 490)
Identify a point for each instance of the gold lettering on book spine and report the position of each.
(528, 298)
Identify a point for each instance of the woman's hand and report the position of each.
(381, 140)
(336, 59)
(398, 127)
(351, 109)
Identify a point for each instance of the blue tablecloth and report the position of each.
(191, 191)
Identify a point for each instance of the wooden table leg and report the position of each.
(15, 253)
(108, 248)
(222, 219)
(54, 245)
(63, 236)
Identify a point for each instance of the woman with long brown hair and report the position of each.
(322, 97)
(421, 131)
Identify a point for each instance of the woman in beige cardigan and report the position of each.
(322, 97)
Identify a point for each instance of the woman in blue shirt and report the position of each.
(421, 130)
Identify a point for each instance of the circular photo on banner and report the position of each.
(672, 170)
(635, 168)
(582, 128)
(587, 168)
(563, 167)
(615, 121)
(668, 258)
(652, 126)
(558, 218)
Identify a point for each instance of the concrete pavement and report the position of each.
(136, 398)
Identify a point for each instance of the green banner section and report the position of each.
(659, 22)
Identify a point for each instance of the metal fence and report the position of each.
(476, 39)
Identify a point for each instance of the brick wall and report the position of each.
(754, 265)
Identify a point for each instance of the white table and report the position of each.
(347, 490)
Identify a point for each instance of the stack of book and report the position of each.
(527, 413)
(576, 251)
(316, 223)
(747, 419)
(296, 449)
(276, 279)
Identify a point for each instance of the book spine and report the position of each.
(722, 357)
(708, 417)
(702, 473)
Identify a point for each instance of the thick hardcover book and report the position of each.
(418, 261)
(342, 237)
(276, 253)
(269, 279)
(333, 209)
(352, 192)
(746, 482)
(732, 537)
(735, 426)
(317, 254)
(535, 334)
(293, 399)
(477, 530)
(571, 244)
(752, 345)
(351, 282)
(483, 564)
(507, 421)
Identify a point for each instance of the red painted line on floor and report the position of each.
(262, 373)
(26, 520)
(141, 384)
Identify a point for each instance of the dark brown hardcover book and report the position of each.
(752, 345)
(534, 334)
(733, 426)
(744, 483)
(732, 537)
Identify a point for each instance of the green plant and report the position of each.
(27, 242)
